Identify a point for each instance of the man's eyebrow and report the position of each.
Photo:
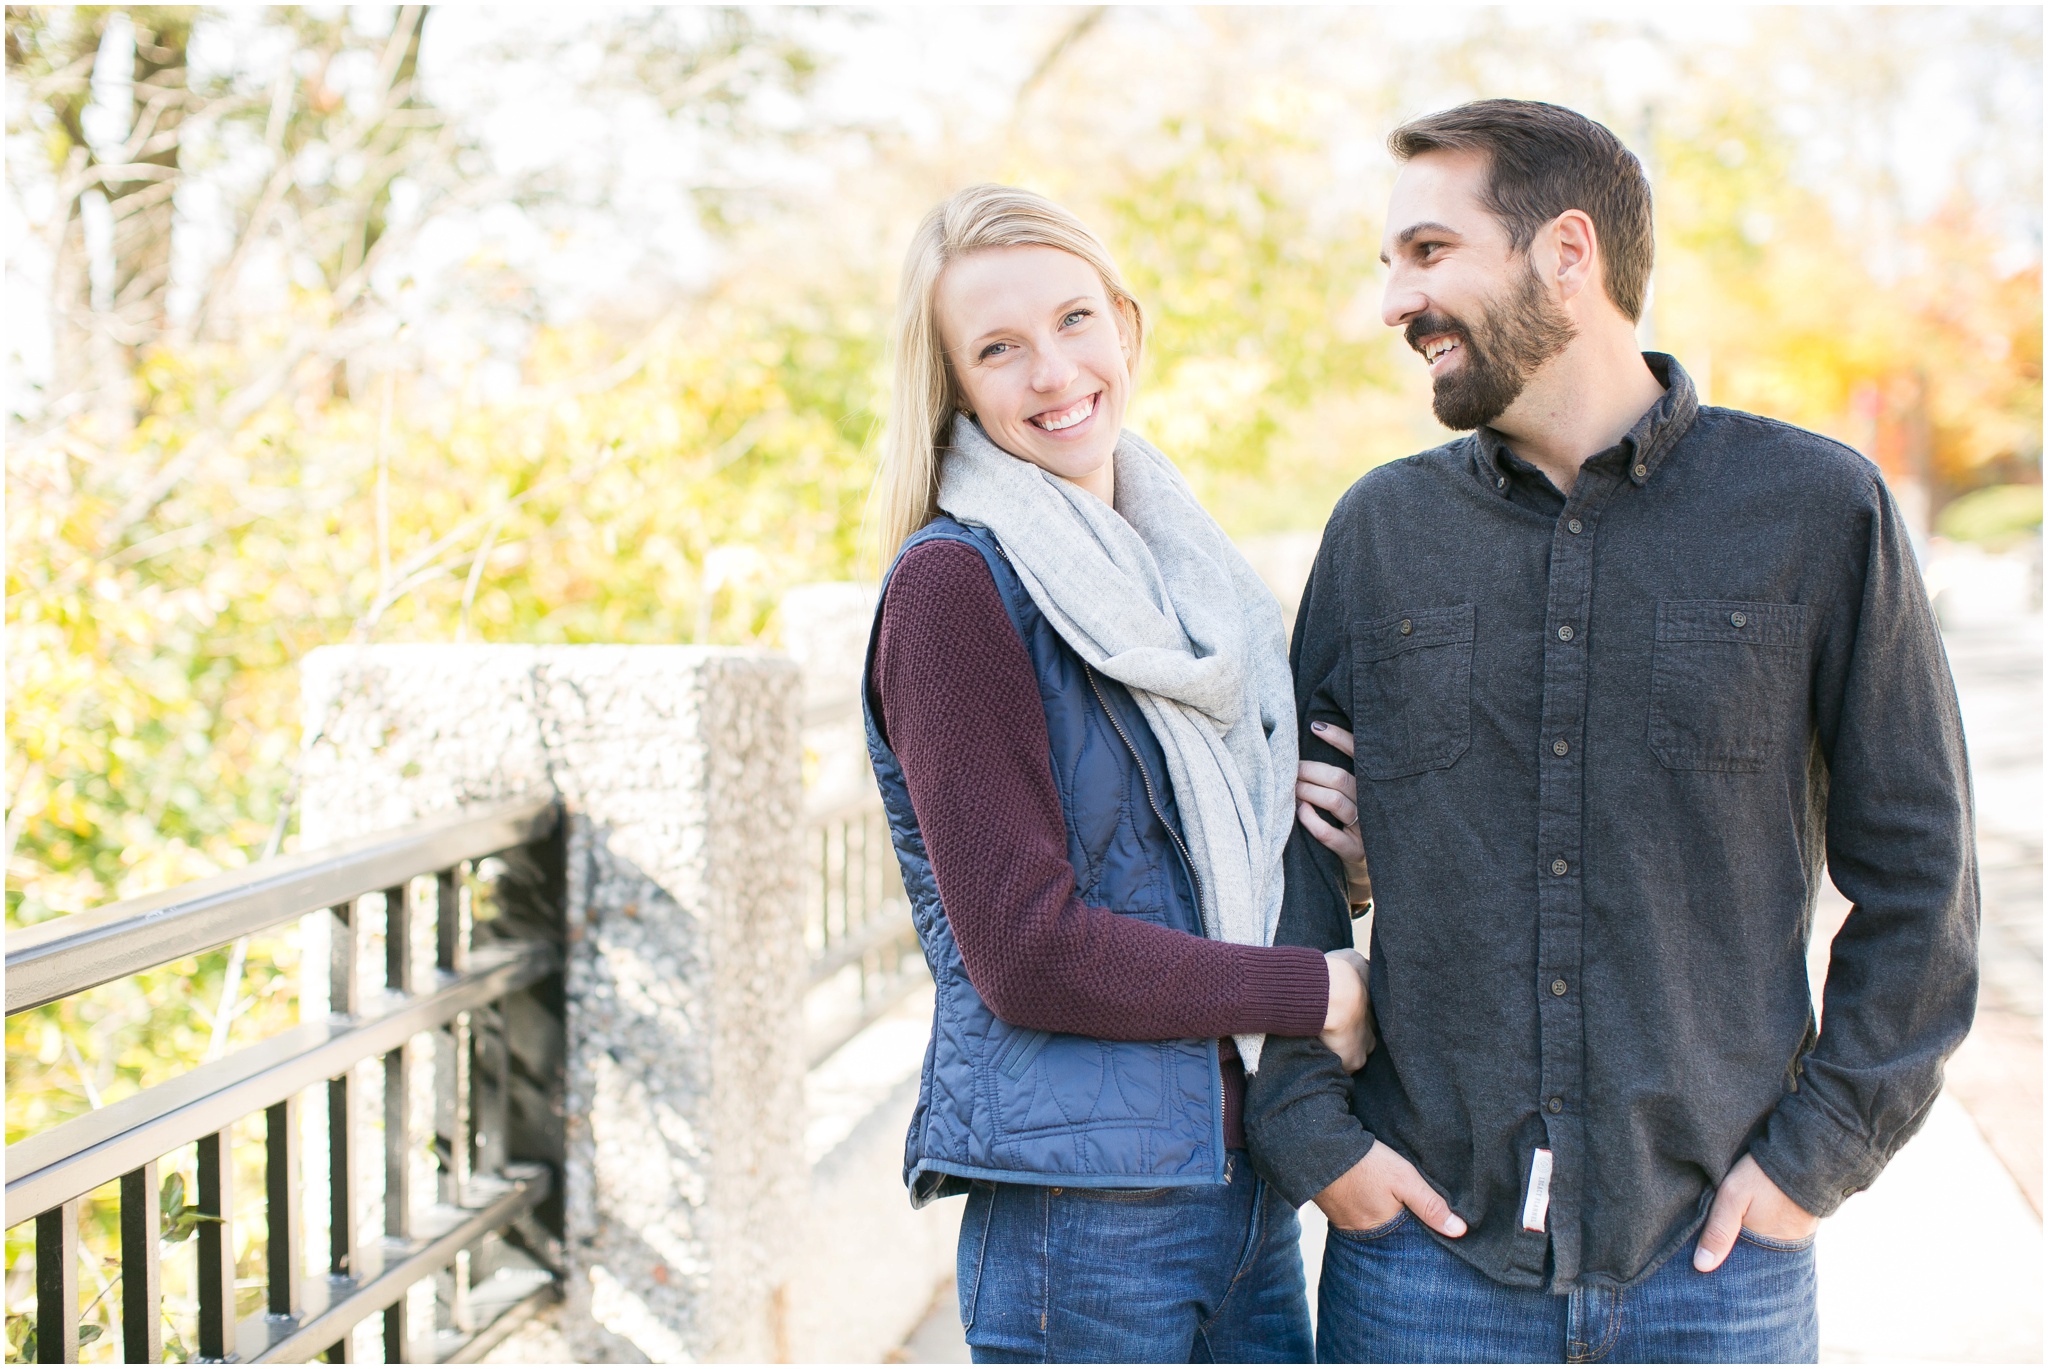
(1416, 230)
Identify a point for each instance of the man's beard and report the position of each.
(1514, 338)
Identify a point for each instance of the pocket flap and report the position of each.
(1421, 627)
(1730, 620)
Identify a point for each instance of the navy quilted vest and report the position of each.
(1003, 1102)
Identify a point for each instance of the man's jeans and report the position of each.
(1394, 1294)
(1154, 1275)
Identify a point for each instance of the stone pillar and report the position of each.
(679, 770)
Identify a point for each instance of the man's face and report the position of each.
(1473, 307)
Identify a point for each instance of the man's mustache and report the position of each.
(1435, 325)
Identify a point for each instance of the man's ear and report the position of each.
(1577, 245)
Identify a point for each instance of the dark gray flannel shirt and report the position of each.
(1604, 745)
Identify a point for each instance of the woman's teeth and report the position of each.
(1058, 421)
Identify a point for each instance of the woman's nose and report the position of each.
(1052, 370)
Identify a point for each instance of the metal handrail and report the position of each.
(68, 955)
(78, 1156)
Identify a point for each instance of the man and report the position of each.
(1622, 672)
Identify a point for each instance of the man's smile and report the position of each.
(1435, 349)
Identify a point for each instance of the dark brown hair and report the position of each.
(1542, 160)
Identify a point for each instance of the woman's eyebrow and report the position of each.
(1057, 309)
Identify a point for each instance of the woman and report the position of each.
(1080, 716)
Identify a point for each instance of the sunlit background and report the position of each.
(568, 325)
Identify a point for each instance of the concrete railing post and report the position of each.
(678, 768)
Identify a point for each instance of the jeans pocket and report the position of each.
(1411, 691)
(1778, 1243)
(1728, 683)
(1375, 1233)
(1117, 1195)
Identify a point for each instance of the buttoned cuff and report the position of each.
(1813, 1158)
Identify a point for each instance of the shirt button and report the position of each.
(1407, 626)
(1556, 1105)
(1641, 470)
(1500, 482)
(1564, 634)
(1739, 619)
(1560, 747)
(1558, 867)
(1575, 527)
(1557, 988)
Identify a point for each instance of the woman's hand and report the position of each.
(1347, 1026)
(1334, 790)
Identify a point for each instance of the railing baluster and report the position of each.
(493, 1080)
(397, 1185)
(142, 1278)
(284, 1210)
(216, 1244)
(452, 1139)
(344, 1221)
(57, 1284)
(344, 950)
(451, 946)
(451, 1055)
(398, 1112)
(398, 938)
(343, 1217)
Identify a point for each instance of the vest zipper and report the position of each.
(1188, 862)
(1151, 797)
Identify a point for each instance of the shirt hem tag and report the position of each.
(1536, 1208)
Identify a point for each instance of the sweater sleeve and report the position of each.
(961, 706)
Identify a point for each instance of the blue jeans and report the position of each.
(1147, 1275)
(1395, 1295)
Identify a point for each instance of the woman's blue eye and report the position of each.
(1078, 313)
(992, 349)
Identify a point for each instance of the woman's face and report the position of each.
(1038, 353)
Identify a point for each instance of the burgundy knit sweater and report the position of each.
(961, 707)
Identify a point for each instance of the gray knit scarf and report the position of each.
(1159, 599)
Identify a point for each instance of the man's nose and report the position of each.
(1401, 302)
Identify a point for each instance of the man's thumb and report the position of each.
(1717, 1238)
(1436, 1214)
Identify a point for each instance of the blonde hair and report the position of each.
(926, 394)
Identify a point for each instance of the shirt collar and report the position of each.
(1642, 450)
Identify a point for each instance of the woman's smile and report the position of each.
(1068, 417)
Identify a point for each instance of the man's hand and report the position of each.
(1748, 1199)
(1347, 1025)
(1373, 1192)
(1334, 790)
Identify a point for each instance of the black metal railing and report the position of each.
(491, 1007)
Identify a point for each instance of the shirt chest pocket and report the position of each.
(1728, 683)
(1411, 691)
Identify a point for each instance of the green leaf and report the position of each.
(88, 1332)
(172, 1197)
